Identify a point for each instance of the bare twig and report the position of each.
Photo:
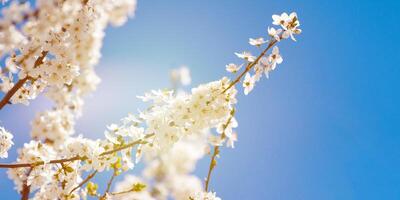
(109, 184)
(213, 161)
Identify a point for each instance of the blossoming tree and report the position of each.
(51, 48)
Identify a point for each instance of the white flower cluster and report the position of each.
(5, 142)
(53, 126)
(265, 64)
(205, 196)
(170, 118)
(172, 169)
(55, 45)
(33, 152)
(168, 173)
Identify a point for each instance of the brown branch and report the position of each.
(21, 82)
(84, 181)
(11, 92)
(26, 189)
(17, 165)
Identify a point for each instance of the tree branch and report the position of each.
(109, 184)
(75, 158)
(84, 181)
(26, 189)
(21, 82)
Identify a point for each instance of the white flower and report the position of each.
(233, 68)
(281, 19)
(257, 42)
(248, 83)
(6, 82)
(289, 23)
(275, 58)
(275, 33)
(232, 140)
(246, 56)
(205, 196)
(5, 142)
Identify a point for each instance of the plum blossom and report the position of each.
(248, 83)
(246, 56)
(257, 42)
(5, 142)
(233, 68)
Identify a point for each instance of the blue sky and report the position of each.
(324, 126)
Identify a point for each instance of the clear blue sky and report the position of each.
(324, 126)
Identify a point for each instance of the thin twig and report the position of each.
(109, 184)
(213, 161)
(75, 158)
(84, 181)
(122, 192)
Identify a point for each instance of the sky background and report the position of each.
(324, 126)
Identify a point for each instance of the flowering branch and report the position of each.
(75, 158)
(180, 124)
(250, 65)
(10, 93)
(21, 82)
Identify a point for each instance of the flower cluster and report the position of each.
(5, 142)
(55, 45)
(53, 126)
(172, 117)
(33, 152)
(264, 64)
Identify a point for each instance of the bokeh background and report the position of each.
(324, 126)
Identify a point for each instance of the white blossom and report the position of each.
(275, 33)
(233, 68)
(54, 125)
(248, 83)
(33, 152)
(5, 142)
(246, 56)
(257, 42)
(275, 58)
(205, 196)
